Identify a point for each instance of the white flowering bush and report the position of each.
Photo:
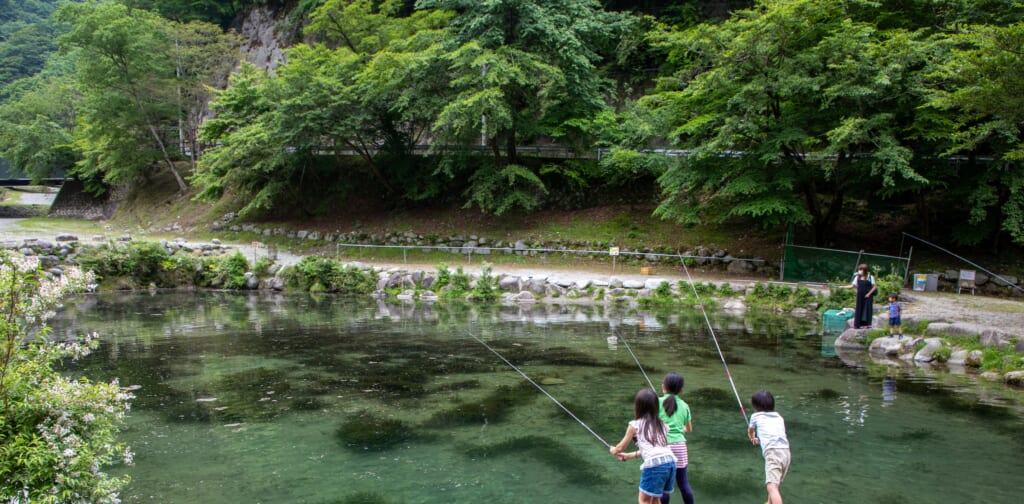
(57, 434)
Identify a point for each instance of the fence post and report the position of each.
(906, 271)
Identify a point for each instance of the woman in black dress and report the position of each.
(864, 282)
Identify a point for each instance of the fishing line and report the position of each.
(743, 410)
(637, 361)
(545, 392)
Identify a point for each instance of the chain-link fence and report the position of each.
(813, 264)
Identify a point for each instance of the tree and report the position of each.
(57, 434)
(36, 128)
(203, 58)
(523, 70)
(127, 77)
(785, 109)
(373, 92)
(981, 88)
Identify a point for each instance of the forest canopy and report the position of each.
(769, 112)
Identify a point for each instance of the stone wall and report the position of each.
(74, 202)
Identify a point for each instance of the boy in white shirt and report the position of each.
(768, 429)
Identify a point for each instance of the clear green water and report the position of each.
(309, 392)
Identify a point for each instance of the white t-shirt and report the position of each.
(771, 430)
(649, 451)
(870, 278)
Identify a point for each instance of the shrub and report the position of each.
(444, 277)
(486, 289)
(943, 354)
(229, 271)
(140, 261)
(316, 274)
(663, 290)
(59, 433)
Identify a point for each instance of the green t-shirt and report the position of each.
(677, 422)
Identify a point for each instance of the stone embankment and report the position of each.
(462, 245)
(66, 248)
(944, 342)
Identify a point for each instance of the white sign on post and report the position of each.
(614, 251)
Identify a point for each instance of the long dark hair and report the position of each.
(673, 383)
(645, 407)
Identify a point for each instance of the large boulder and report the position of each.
(537, 286)
(892, 345)
(927, 353)
(957, 358)
(633, 284)
(734, 306)
(654, 283)
(510, 283)
(1015, 378)
(852, 339)
(1004, 280)
(994, 338)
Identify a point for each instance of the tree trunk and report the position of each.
(182, 186)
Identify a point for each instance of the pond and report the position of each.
(264, 398)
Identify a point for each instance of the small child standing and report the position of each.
(768, 429)
(651, 434)
(895, 314)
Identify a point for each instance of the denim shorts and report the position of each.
(894, 321)
(658, 480)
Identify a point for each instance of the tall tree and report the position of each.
(372, 90)
(981, 87)
(523, 70)
(786, 108)
(126, 75)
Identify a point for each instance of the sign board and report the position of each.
(613, 251)
(255, 244)
(967, 279)
(920, 281)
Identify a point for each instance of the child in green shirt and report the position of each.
(675, 413)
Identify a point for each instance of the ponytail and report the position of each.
(673, 383)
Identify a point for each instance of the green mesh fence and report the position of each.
(812, 264)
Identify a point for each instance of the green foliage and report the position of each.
(888, 284)
(943, 354)
(59, 434)
(800, 96)
(230, 271)
(664, 290)
(838, 297)
(141, 261)
(458, 282)
(486, 289)
(316, 274)
(984, 107)
(521, 70)
(139, 76)
(779, 297)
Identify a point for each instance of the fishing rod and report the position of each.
(545, 392)
(743, 410)
(637, 361)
